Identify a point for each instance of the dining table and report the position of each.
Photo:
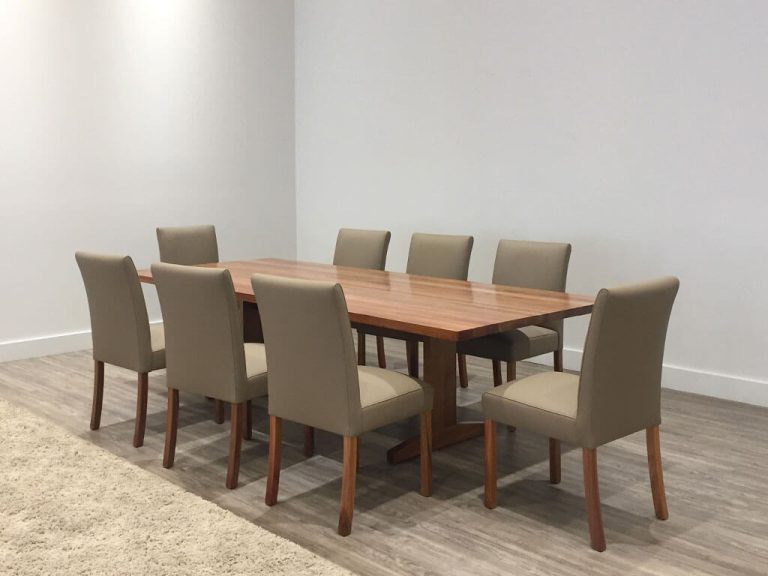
(438, 312)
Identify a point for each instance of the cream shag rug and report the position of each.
(68, 507)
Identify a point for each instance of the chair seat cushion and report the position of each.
(255, 370)
(387, 396)
(545, 403)
(513, 345)
(157, 341)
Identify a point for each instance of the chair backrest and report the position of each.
(188, 245)
(362, 248)
(620, 383)
(541, 265)
(204, 350)
(119, 321)
(440, 255)
(310, 354)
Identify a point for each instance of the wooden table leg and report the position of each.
(252, 331)
(440, 372)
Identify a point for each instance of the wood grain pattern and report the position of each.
(141, 409)
(381, 355)
(425, 437)
(437, 311)
(554, 461)
(218, 411)
(489, 493)
(656, 472)
(171, 428)
(237, 417)
(348, 485)
(98, 394)
(419, 305)
(360, 348)
(309, 441)
(274, 458)
(463, 375)
(511, 371)
(592, 499)
(496, 364)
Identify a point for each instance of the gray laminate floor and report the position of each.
(716, 467)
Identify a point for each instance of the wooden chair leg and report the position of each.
(171, 427)
(141, 410)
(98, 394)
(497, 373)
(554, 461)
(380, 352)
(490, 464)
(558, 360)
(592, 497)
(273, 466)
(218, 411)
(463, 376)
(237, 417)
(348, 481)
(425, 451)
(360, 348)
(309, 441)
(656, 472)
(412, 357)
(511, 371)
(248, 421)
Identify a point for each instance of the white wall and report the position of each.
(637, 131)
(119, 116)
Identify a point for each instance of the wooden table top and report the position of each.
(421, 305)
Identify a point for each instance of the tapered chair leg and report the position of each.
(490, 464)
(171, 427)
(348, 481)
(309, 441)
(141, 410)
(412, 357)
(380, 352)
(656, 473)
(273, 465)
(558, 360)
(218, 411)
(248, 421)
(360, 348)
(592, 497)
(554, 461)
(425, 451)
(497, 373)
(463, 376)
(511, 371)
(237, 418)
(98, 394)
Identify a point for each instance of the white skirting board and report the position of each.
(46, 345)
(718, 385)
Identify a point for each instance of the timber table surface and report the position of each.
(420, 305)
(437, 311)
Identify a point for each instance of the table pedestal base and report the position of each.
(445, 437)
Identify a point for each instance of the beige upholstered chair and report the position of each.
(441, 256)
(313, 380)
(188, 245)
(541, 265)
(363, 249)
(205, 351)
(120, 329)
(617, 394)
